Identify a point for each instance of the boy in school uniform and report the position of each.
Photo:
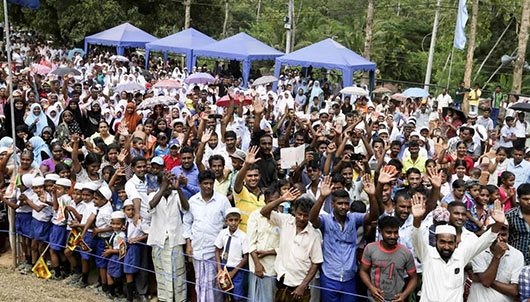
(74, 214)
(100, 218)
(49, 181)
(134, 234)
(232, 251)
(40, 202)
(58, 230)
(115, 267)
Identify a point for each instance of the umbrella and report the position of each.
(41, 69)
(520, 106)
(119, 58)
(167, 84)
(129, 87)
(264, 80)
(416, 93)
(225, 100)
(460, 113)
(157, 100)
(63, 71)
(199, 78)
(354, 91)
(382, 90)
(398, 97)
(392, 88)
(72, 52)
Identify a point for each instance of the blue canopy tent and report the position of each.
(240, 47)
(330, 55)
(121, 36)
(184, 42)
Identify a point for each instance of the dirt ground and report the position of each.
(17, 287)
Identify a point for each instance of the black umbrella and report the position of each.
(64, 71)
(521, 107)
(460, 113)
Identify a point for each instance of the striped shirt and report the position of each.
(519, 232)
(247, 202)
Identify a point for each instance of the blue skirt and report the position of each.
(40, 230)
(58, 237)
(132, 257)
(114, 268)
(91, 243)
(23, 224)
(101, 246)
(238, 281)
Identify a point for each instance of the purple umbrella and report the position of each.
(199, 78)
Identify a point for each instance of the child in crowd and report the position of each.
(232, 251)
(475, 173)
(506, 190)
(49, 181)
(58, 231)
(473, 224)
(459, 189)
(162, 148)
(494, 195)
(100, 220)
(460, 168)
(137, 147)
(40, 202)
(118, 198)
(135, 234)
(115, 267)
(74, 214)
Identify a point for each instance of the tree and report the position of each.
(521, 50)
(470, 52)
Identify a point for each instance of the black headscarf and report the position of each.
(19, 115)
(92, 120)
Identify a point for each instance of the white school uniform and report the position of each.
(45, 215)
(238, 245)
(66, 200)
(103, 218)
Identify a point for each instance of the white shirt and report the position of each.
(24, 208)
(166, 221)
(520, 129)
(508, 272)
(506, 132)
(444, 100)
(45, 215)
(89, 209)
(80, 209)
(262, 236)
(203, 222)
(103, 217)
(444, 281)
(133, 231)
(238, 246)
(115, 242)
(137, 189)
(66, 199)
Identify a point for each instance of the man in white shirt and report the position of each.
(443, 265)
(202, 223)
(444, 99)
(166, 238)
(520, 131)
(496, 271)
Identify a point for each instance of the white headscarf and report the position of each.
(54, 108)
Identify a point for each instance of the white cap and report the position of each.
(382, 131)
(415, 133)
(79, 186)
(323, 111)
(92, 186)
(472, 115)
(128, 202)
(105, 191)
(157, 160)
(232, 211)
(52, 177)
(445, 229)
(63, 182)
(27, 180)
(117, 215)
(38, 181)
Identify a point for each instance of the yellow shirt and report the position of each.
(222, 187)
(474, 96)
(262, 236)
(418, 164)
(247, 202)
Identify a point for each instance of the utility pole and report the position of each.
(521, 49)
(187, 17)
(225, 23)
(470, 52)
(288, 25)
(368, 33)
(258, 11)
(433, 45)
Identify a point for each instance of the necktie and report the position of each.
(226, 251)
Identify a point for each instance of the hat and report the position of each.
(178, 120)
(174, 143)
(472, 115)
(27, 180)
(3, 149)
(445, 229)
(323, 111)
(51, 177)
(92, 186)
(128, 202)
(79, 186)
(157, 160)
(384, 131)
(117, 215)
(232, 211)
(239, 154)
(440, 214)
(38, 181)
(105, 191)
(415, 133)
(64, 182)
(160, 135)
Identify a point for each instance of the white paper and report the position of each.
(292, 156)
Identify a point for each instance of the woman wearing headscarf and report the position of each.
(37, 120)
(316, 91)
(20, 111)
(116, 119)
(73, 107)
(67, 127)
(23, 135)
(40, 150)
(131, 117)
(93, 117)
(162, 126)
(54, 113)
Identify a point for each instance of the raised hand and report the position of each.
(332, 148)
(498, 212)
(418, 206)
(368, 184)
(435, 177)
(123, 155)
(68, 147)
(325, 186)
(388, 174)
(291, 195)
(206, 135)
(251, 155)
(259, 107)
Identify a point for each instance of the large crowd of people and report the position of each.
(408, 200)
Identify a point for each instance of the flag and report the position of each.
(32, 4)
(460, 30)
(41, 269)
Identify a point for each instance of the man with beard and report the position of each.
(216, 163)
(187, 172)
(266, 164)
(385, 263)
(248, 196)
(443, 265)
(339, 231)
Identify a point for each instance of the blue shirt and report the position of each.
(161, 152)
(339, 246)
(521, 171)
(192, 175)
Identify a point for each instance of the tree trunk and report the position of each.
(470, 52)
(368, 33)
(187, 17)
(259, 8)
(225, 23)
(521, 50)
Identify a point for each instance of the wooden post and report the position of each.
(521, 50)
(470, 52)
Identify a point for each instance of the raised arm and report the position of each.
(435, 177)
(250, 159)
(160, 193)
(76, 165)
(200, 151)
(369, 188)
(288, 196)
(325, 191)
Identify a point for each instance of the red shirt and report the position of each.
(467, 159)
(171, 162)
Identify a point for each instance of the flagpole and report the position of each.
(11, 212)
(450, 67)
